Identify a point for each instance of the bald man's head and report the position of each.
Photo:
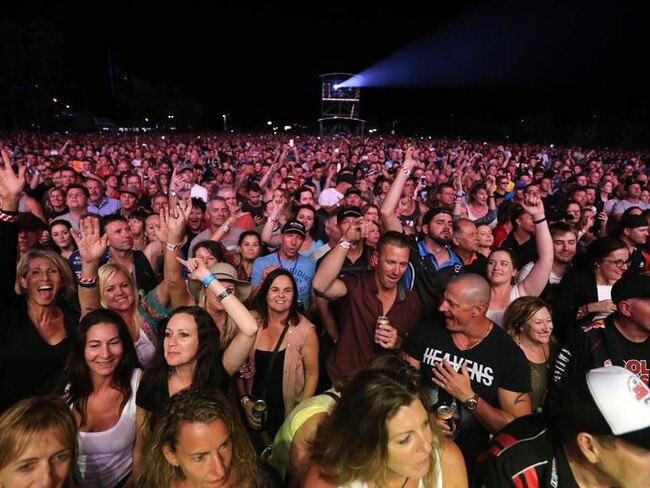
(474, 288)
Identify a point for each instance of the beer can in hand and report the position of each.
(446, 414)
(381, 321)
(259, 411)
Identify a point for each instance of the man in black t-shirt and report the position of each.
(622, 339)
(473, 361)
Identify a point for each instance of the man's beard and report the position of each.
(442, 241)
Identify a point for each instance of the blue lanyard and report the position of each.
(277, 255)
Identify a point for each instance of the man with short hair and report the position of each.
(190, 187)
(245, 221)
(622, 338)
(76, 199)
(632, 199)
(633, 231)
(521, 239)
(359, 258)
(293, 234)
(68, 177)
(120, 247)
(98, 202)
(253, 204)
(367, 296)
(218, 215)
(565, 243)
(471, 363)
(465, 244)
(599, 437)
(432, 262)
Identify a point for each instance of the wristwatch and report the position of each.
(471, 403)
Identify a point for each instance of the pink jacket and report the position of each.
(293, 379)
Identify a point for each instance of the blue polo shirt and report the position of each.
(453, 260)
(303, 271)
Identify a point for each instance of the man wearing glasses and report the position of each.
(622, 339)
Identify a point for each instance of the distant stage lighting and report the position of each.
(336, 87)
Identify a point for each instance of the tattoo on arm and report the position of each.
(521, 398)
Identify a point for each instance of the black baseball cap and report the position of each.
(294, 226)
(636, 285)
(347, 211)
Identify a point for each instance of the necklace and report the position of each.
(403, 484)
(464, 345)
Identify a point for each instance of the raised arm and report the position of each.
(267, 230)
(91, 248)
(172, 229)
(540, 273)
(388, 215)
(326, 282)
(237, 351)
(11, 186)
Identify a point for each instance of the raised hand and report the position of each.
(411, 158)
(90, 243)
(196, 268)
(358, 230)
(534, 206)
(175, 217)
(11, 183)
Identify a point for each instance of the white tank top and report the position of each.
(106, 457)
(144, 349)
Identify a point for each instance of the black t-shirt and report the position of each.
(28, 365)
(636, 356)
(525, 252)
(525, 453)
(496, 362)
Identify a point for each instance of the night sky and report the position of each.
(497, 60)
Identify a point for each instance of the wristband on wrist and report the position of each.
(208, 279)
(87, 281)
(223, 294)
(172, 247)
(345, 244)
(543, 219)
(7, 216)
(225, 228)
(405, 171)
(244, 399)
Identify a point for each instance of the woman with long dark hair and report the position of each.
(61, 234)
(190, 356)
(102, 378)
(290, 374)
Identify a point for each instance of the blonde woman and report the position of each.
(111, 286)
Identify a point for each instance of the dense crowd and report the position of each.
(197, 310)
